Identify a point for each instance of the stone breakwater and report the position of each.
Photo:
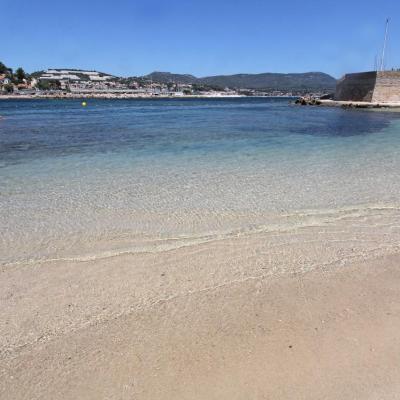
(370, 87)
(373, 89)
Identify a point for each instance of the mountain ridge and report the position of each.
(267, 80)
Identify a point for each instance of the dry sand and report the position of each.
(258, 317)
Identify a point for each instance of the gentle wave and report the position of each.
(287, 222)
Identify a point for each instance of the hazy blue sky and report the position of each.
(199, 37)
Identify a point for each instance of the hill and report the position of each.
(277, 81)
(166, 77)
(309, 80)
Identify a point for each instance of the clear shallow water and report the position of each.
(143, 175)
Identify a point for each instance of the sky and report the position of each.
(207, 37)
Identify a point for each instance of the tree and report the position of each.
(49, 85)
(20, 73)
(9, 88)
(3, 68)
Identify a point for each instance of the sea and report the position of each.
(152, 175)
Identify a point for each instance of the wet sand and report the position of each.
(218, 320)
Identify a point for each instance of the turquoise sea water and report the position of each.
(121, 175)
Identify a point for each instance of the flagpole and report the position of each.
(384, 45)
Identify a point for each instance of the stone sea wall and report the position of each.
(356, 87)
(377, 87)
(387, 87)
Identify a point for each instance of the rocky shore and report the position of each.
(313, 101)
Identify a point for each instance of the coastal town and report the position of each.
(374, 89)
(78, 83)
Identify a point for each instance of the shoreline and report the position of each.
(347, 104)
(112, 96)
(358, 104)
(133, 96)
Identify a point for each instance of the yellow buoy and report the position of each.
(84, 103)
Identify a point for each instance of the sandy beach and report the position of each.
(216, 320)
